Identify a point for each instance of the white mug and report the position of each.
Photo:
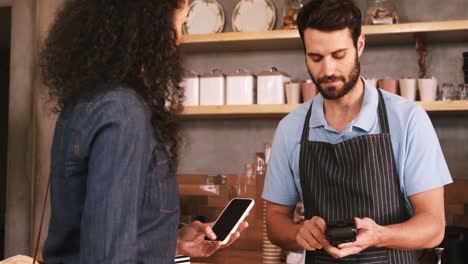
(372, 81)
(427, 89)
(293, 92)
(408, 89)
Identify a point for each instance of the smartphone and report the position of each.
(228, 221)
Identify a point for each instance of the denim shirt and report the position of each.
(114, 196)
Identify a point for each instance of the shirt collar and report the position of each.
(366, 117)
(317, 117)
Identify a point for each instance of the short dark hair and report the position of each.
(330, 15)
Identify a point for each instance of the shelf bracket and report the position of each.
(422, 54)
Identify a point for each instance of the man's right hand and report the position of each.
(311, 235)
(287, 234)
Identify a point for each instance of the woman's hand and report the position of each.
(191, 239)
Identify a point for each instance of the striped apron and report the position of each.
(354, 178)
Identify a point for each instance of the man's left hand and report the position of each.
(367, 236)
(191, 239)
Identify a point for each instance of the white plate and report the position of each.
(254, 15)
(204, 17)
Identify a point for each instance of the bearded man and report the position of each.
(353, 154)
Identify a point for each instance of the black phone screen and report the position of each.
(230, 217)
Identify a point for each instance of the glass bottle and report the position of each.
(291, 10)
(380, 12)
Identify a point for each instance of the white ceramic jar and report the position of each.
(240, 88)
(191, 84)
(270, 86)
(212, 88)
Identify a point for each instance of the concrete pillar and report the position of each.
(20, 130)
(45, 123)
(30, 127)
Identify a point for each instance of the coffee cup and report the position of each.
(372, 81)
(408, 89)
(293, 93)
(427, 89)
(309, 90)
(390, 85)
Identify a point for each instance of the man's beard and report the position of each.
(332, 92)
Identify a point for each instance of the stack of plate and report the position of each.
(465, 66)
(271, 253)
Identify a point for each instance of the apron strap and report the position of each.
(305, 130)
(382, 112)
(381, 109)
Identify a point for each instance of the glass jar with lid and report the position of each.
(380, 12)
(291, 10)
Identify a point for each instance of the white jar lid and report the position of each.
(213, 73)
(273, 71)
(190, 74)
(240, 72)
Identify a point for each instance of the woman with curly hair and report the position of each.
(111, 65)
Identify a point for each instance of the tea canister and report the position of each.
(212, 88)
(270, 86)
(191, 84)
(240, 88)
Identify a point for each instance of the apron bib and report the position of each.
(354, 178)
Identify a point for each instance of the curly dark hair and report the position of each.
(102, 44)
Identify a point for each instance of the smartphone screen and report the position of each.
(230, 217)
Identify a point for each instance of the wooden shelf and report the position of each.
(234, 111)
(445, 106)
(242, 41)
(441, 31)
(254, 111)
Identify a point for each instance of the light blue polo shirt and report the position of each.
(419, 159)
